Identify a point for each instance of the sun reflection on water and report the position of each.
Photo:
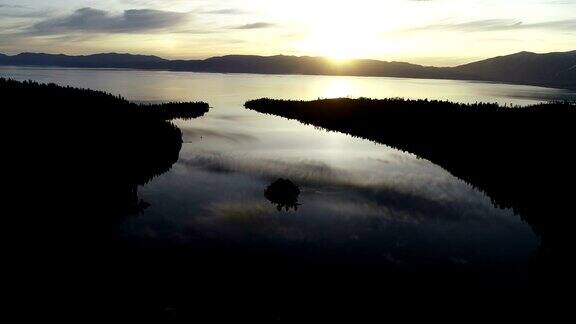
(339, 88)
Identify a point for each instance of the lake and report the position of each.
(358, 198)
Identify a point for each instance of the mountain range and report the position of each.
(556, 69)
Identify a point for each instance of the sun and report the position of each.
(335, 42)
(341, 37)
(336, 45)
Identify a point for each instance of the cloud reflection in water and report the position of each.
(404, 219)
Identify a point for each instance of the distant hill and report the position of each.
(552, 69)
(111, 60)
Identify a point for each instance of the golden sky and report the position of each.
(431, 32)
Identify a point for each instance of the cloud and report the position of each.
(568, 25)
(258, 25)
(2, 5)
(99, 21)
(227, 11)
(500, 25)
(20, 11)
(484, 25)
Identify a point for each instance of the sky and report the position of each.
(429, 32)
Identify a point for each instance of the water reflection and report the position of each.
(369, 214)
(347, 213)
(235, 89)
(338, 88)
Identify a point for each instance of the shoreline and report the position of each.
(54, 67)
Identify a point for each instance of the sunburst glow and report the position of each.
(342, 33)
(439, 32)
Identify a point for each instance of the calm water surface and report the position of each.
(357, 197)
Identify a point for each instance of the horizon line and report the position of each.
(339, 61)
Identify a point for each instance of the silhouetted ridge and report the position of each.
(552, 69)
(520, 156)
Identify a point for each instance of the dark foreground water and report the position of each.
(359, 201)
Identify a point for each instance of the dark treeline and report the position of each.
(75, 101)
(92, 140)
(520, 156)
(116, 143)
